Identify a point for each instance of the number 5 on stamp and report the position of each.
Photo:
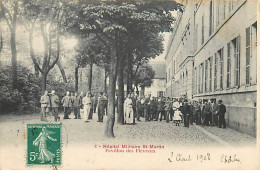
(43, 144)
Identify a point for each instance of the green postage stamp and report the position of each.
(43, 144)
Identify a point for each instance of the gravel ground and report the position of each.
(79, 139)
(154, 132)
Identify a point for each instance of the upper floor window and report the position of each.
(202, 29)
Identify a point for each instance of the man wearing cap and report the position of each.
(45, 103)
(55, 101)
(221, 114)
(66, 103)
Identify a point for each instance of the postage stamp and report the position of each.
(44, 144)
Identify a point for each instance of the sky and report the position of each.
(165, 43)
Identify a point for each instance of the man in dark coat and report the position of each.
(221, 114)
(160, 109)
(207, 111)
(147, 109)
(76, 105)
(197, 111)
(186, 111)
(102, 103)
(153, 108)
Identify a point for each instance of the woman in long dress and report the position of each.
(87, 102)
(41, 141)
(129, 114)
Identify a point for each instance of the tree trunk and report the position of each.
(1, 40)
(105, 82)
(142, 91)
(111, 94)
(128, 76)
(137, 90)
(14, 59)
(43, 81)
(62, 71)
(120, 106)
(90, 77)
(76, 79)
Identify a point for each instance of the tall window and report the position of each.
(221, 65)
(206, 75)
(230, 5)
(210, 17)
(248, 54)
(210, 73)
(202, 29)
(202, 76)
(199, 78)
(228, 66)
(236, 43)
(217, 12)
(215, 72)
(195, 71)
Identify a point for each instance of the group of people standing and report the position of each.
(208, 112)
(80, 104)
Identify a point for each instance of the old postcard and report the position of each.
(131, 85)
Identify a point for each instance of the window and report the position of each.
(210, 17)
(217, 12)
(174, 67)
(236, 43)
(230, 5)
(195, 71)
(199, 77)
(202, 76)
(248, 54)
(206, 75)
(196, 37)
(210, 73)
(215, 72)
(202, 29)
(228, 66)
(169, 75)
(221, 64)
(160, 94)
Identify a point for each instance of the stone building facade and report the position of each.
(212, 53)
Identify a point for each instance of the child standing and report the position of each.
(177, 117)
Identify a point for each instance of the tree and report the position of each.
(144, 77)
(111, 21)
(91, 51)
(9, 11)
(48, 17)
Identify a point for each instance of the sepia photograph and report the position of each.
(129, 85)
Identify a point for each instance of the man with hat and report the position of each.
(102, 103)
(55, 101)
(221, 114)
(186, 111)
(45, 103)
(67, 103)
(76, 105)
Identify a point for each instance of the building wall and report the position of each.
(218, 58)
(157, 86)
